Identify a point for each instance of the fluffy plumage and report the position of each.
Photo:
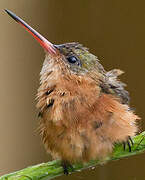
(84, 108)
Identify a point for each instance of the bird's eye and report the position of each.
(72, 59)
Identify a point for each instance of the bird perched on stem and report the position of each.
(83, 108)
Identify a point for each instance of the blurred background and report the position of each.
(114, 30)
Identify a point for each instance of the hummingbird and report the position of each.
(83, 109)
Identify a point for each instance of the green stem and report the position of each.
(52, 169)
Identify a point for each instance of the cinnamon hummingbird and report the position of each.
(83, 109)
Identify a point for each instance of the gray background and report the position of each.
(114, 30)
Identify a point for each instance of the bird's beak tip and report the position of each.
(48, 46)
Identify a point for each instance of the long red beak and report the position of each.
(48, 46)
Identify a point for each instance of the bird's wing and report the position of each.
(112, 85)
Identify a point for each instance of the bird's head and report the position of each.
(70, 58)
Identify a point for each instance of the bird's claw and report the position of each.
(66, 165)
(129, 143)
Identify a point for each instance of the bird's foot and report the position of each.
(66, 165)
(129, 143)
